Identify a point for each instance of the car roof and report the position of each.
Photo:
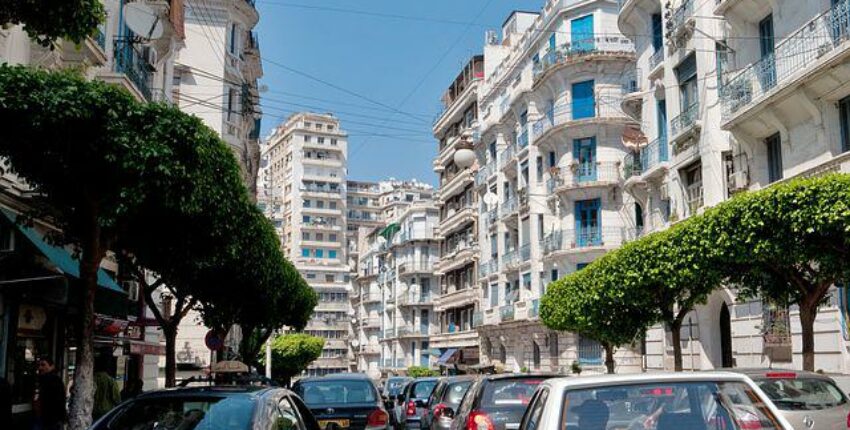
(760, 372)
(503, 376)
(425, 379)
(337, 377)
(458, 378)
(564, 383)
(399, 378)
(213, 391)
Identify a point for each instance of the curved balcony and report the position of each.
(580, 177)
(484, 173)
(594, 241)
(457, 183)
(686, 125)
(651, 162)
(617, 48)
(456, 298)
(462, 255)
(507, 158)
(458, 219)
(508, 208)
(414, 299)
(488, 268)
(415, 267)
(602, 109)
(633, 93)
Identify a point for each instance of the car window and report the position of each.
(331, 392)
(288, 419)
(802, 394)
(394, 386)
(307, 418)
(423, 389)
(186, 413)
(437, 393)
(502, 392)
(453, 394)
(674, 406)
(535, 413)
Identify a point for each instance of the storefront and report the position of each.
(39, 309)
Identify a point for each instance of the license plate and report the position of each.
(337, 423)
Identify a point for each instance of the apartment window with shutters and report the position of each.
(234, 39)
(686, 74)
(774, 157)
(231, 103)
(844, 112)
(539, 167)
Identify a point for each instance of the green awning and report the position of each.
(59, 256)
(390, 230)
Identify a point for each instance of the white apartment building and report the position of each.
(736, 95)
(459, 291)
(145, 68)
(551, 149)
(395, 286)
(306, 168)
(217, 72)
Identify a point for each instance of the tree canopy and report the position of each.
(47, 20)
(292, 353)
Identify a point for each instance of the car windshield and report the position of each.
(454, 393)
(334, 391)
(423, 389)
(506, 392)
(673, 406)
(394, 386)
(184, 413)
(802, 394)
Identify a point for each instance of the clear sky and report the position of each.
(376, 58)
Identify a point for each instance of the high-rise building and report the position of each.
(305, 180)
(551, 150)
(393, 290)
(459, 293)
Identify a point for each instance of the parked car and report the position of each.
(344, 401)
(446, 396)
(211, 408)
(495, 402)
(411, 402)
(808, 400)
(663, 401)
(392, 388)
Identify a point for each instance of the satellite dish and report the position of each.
(491, 199)
(142, 20)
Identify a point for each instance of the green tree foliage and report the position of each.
(788, 243)
(48, 20)
(292, 353)
(421, 372)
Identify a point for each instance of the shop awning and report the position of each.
(389, 231)
(447, 356)
(59, 256)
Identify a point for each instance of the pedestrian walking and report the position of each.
(106, 393)
(49, 399)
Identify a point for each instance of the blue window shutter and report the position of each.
(583, 103)
(582, 33)
(552, 43)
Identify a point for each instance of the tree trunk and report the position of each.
(676, 336)
(82, 391)
(808, 313)
(609, 356)
(170, 332)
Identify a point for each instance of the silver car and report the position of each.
(810, 401)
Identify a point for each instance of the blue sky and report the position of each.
(378, 54)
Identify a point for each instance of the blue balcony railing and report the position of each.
(579, 48)
(600, 106)
(507, 312)
(522, 138)
(100, 38)
(685, 120)
(129, 61)
(656, 58)
(795, 54)
(681, 14)
(654, 154)
(534, 310)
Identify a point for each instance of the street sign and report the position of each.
(214, 341)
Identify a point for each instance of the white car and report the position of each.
(660, 401)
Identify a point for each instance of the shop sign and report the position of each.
(147, 349)
(109, 326)
(31, 318)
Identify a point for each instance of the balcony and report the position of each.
(508, 207)
(388, 334)
(456, 183)
(686, 125)
(507, 156)
(580, 176)
(414, 267)
(490, 267)
(409, 298)
(534, 309)
(370, 349)
(522, 138)
(477, 319)
(510, 260)
(682, 19)
(371, 322)
(485, 172)
(456, 219)
(655, 60)
(129, 61)
(409, 332)
(525, 252)
(319, 189)
(507, 312)
(807, 56)
(458, 256)
(652, 159)
(491, 217)
(567, 242)
(596, 48)
(371, 297)
(599, 110)
(454, 297)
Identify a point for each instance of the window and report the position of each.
(589, 351)
(584, 105)
(231, 103)
(580, 266)
(320, 140)
(234, 36)
(330, 278)
(686, 74)
(307, 203)
(307, 139)
(539, 167)
(553, 276)
(332, 237)
(287, 417)
(657, 32)
(305, 219)
(767, 44)
(333, 142)
(552, 160)
(844, 112)
(305, 252)
(494, 295)
(320, 253)
(320, 236)
(774, 157)
(331, 254)
(305, 235)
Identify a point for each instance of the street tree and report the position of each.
(78, 145)
(583, 304)
(788, 243)
(292, 353)
(46, 21)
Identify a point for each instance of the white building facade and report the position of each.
(735, 96)
(551, 149)
(305, 180)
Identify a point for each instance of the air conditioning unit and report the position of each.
(738, 181)
(664, 192)
(132, 288)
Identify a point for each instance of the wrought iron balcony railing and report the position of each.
(129, 60)
(685, 120)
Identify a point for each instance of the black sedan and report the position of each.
(211, 408)
(344, 401)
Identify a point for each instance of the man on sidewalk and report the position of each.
(49, 401)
